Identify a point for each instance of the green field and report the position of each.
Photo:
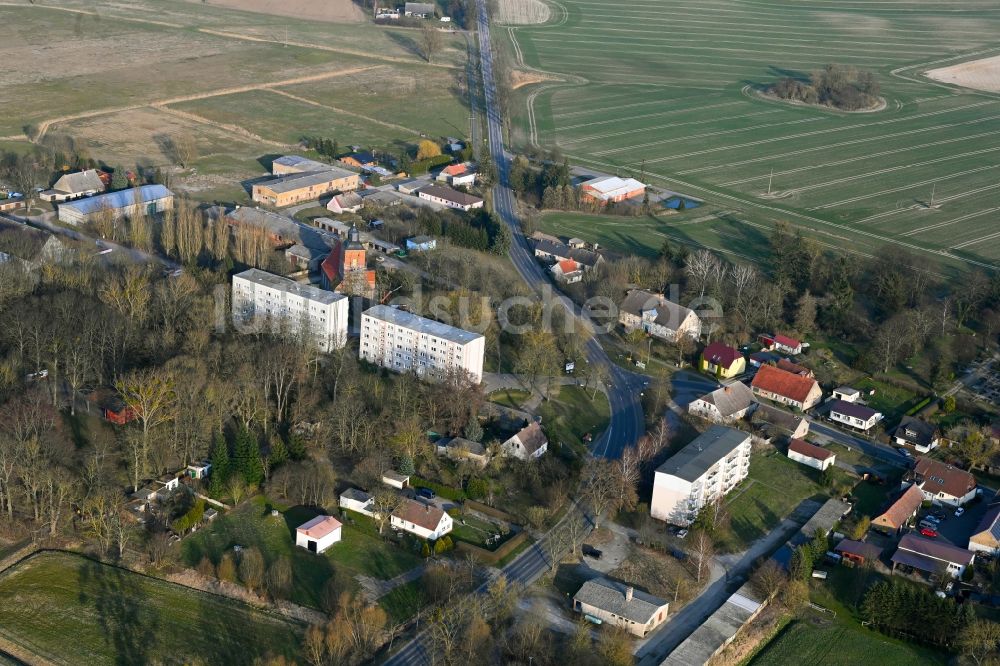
(71, 610)
(360, 552)
(774, 487)
(669, 96)
(571, 414)
(808, 644)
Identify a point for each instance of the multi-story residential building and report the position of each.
(259, 296)
(405, 342)
(704, 470)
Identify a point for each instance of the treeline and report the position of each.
(477, 230)
(915, 612)
(840, 86)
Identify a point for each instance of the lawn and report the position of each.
(403, 602)
(774, 487)
(513, 398)
(669, 97)
(572, 414)
(889, 399)
(69, 609)
(873, 498)
(475, 531)
(361, 550)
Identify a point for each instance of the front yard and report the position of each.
(572, 413)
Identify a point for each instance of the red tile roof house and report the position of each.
(784, 387)
(814, 456)
(941, 483)
(931, 556)
(900, 512)
(781, 343)
(424, 520)
(458, 174)
(854, 415)
(318, 534)
(567, 271)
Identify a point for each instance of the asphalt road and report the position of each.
(623, 387)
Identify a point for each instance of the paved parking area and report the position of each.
(957, 531)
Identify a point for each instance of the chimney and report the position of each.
(628, 593)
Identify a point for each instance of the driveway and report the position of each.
(957, 530)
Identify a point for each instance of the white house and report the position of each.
(567, 271)
(941, 483)
(318, 534)
(528, 443)
(919, 434)
(424, 520)
(724, 404)
(854, 415)
(707, 468)
(199, 470)
(846, 394)
(450, 198)
(620, 605)
(817, 457)
(657, 316)
(357, 500)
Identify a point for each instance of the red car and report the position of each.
(927, 532)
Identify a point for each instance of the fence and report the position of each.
(490, 511)
(492, 556)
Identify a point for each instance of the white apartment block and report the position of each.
(707, 468)
(259, 296)
(404, 342)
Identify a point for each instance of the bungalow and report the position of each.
(199, 470)
(461, 449)
(657, 316)
(360, 159)
(725, 404)
(567, 271)
(395, 479)
(74, 186)
(348, 202)
(941, 483)
(986, 537)
(458, 174)
(901, 512)
(318, 534)
(782, 343)
(846, 393)
(420, 244)
(424, 520)
(450, 198)
(919, 434)
(854, 415)
(814, 456)
(611, 189)
(354, 499)
(931, 556)
(620, 605)
(787, 388)
(722, 361)
(528, 443)
(858, 552)
(772, 422)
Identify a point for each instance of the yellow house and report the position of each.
(722, 361)
(306, 186)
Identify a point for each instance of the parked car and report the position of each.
(930, 517)
(426, 493)
(904, 452)
(959, 511)
(590, 551)
(681, 534)
(929, 533)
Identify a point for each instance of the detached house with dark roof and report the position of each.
(771, 422)
(657, 316)
(941, 483)
(528, 443)
(787, 388)
(931, 556)
(707, 468)
(859, 417)
(620, 605)
(916, 433)
(722, 360)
